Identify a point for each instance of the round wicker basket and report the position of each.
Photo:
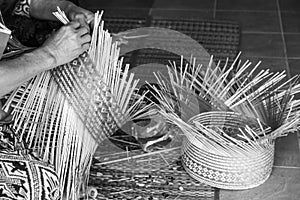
(242, 170)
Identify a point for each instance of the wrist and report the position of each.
(49, 56)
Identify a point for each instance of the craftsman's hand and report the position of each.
(83, 16)
(67, 43)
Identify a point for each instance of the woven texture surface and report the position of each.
(122, 170)
(134, 178)
(219, 38)
(233, 171)
(78, 85)
(135, 174)
(172, 182)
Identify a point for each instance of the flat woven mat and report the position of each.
(134, 174)
(171, 182)
(219, 38)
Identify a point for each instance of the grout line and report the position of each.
(286, 167)
(283, 40)
(268, 57)
(253, 11)
(151, 8)
(181, 9)
(266, 32)
(150, 12)
(215, 9)
(294, 58)
(290, 11)
(291, 33)
(260, 32)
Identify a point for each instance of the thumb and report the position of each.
(82, 20)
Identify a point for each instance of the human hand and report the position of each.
(67, 43)
(83, 16)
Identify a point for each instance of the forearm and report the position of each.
(42, 9)
(16, 71)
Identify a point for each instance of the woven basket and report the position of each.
(89, 96)
(233, 171)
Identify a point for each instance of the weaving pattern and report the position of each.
(236, 172)
(219, 38)
(170, 182)
(26, 178)
(63, 114)
(230, 144)
(48, 124)
(82, 90)
(22, 174)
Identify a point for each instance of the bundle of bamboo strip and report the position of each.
(230, 143)
(63, 114)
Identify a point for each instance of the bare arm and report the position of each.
(62, 47)
(16, 71)
(42, 9)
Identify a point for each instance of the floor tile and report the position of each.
(262, 45)
(290, 22)
(293, 45)
(287, 151)
(294, 66)
(181, 14)
(283, 184)
(96, 4)
(253, 21)
(289, 5)
(274, 64)
(246, 5)
(186, 4)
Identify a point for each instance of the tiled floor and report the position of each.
(271, 33)
(270, 28)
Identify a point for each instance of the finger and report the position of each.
(90, 18)
(86, 39)
(92, 24)
(82, 31)
(84, 24)
(74, 24)
(85, 46)
(81, 18)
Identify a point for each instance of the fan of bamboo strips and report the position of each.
(63, 114)
(229, 142)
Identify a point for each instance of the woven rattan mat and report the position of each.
(219, 38)
(121, 170)
(170, 182)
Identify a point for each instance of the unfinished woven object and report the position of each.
(239, 171)
(229, 142)
(63, 114)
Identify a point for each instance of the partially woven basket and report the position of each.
(63, 114)
(230, 144)
(243, 170)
